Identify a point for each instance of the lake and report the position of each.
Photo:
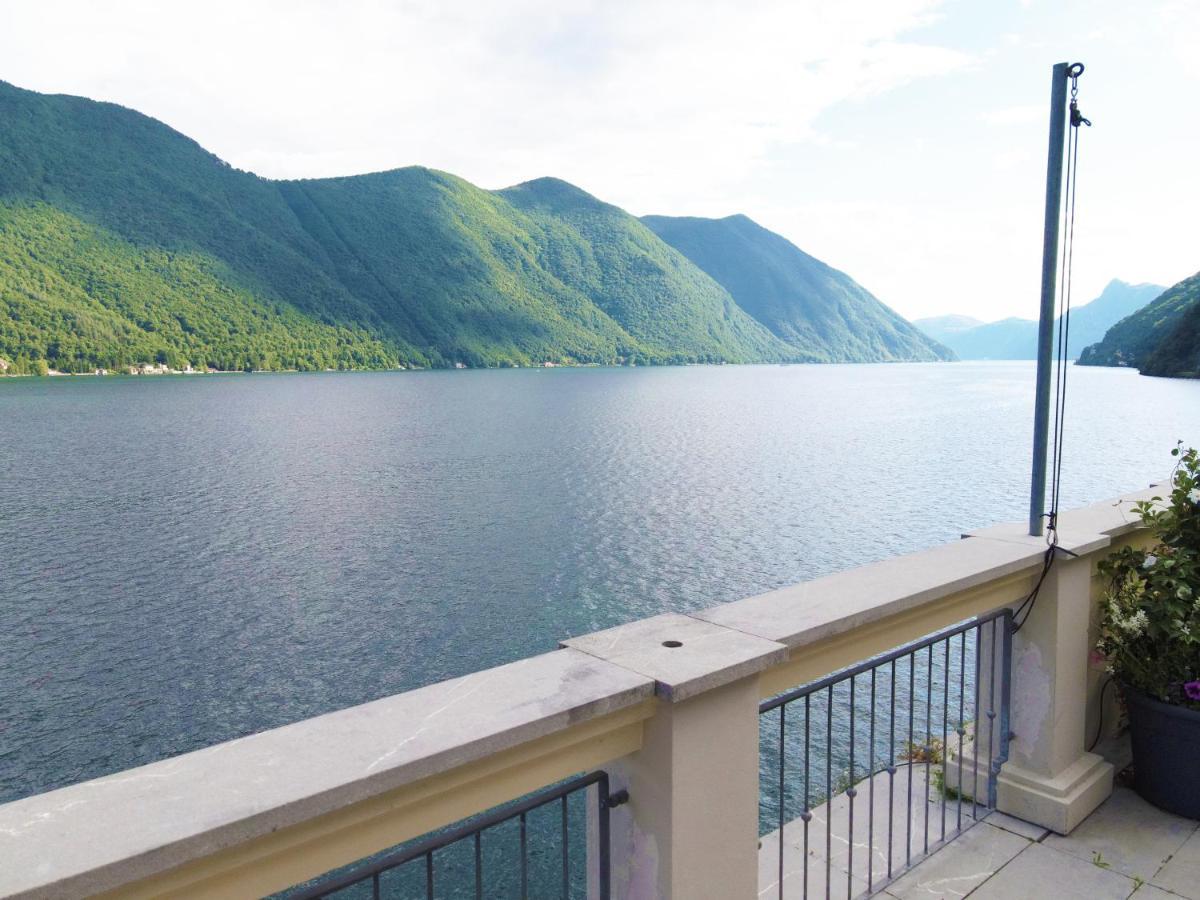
(188, 560)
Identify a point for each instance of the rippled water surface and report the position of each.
(187, 560)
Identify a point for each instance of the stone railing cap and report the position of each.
(812, 611)
(110, 831)
(708, 655)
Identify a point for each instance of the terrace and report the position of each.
(882, 729)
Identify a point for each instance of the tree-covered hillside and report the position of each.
(1178, 355)
(822, 313)
(76, 297)
(1135, 340)
(125, 242)
(628, 272)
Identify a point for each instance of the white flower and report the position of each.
(1194, 495)
(1135, 624)
(1151, 559)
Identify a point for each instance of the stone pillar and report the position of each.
(1049, 778)
(690, 828)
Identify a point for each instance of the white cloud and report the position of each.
(671, 90)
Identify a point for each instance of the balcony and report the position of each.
(704, 749)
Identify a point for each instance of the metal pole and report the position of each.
(1041, 410)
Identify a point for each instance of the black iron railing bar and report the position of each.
(472, 828)
(882, 659)
(871, 792)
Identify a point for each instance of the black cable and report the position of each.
(1100, 715)
(1026, 605)
(1064, 328)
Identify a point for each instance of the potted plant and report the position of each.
(1150, 640)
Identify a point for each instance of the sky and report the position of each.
(902, 141)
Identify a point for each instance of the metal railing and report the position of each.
(887, 726)
(468, 879)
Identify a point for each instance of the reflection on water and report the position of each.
(187, 560)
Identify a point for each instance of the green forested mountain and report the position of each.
(636, 278)
(76, 297)
(822, 313)
(124, 242)
(1017, 338)
(1159, 339)
(1178, 354)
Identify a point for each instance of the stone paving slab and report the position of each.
(1128, 835)
(1143, 852)
(1042, 871)
(1150, 892)
(1017, 826)
(862, 853)
(960, 867)
(1181, 874)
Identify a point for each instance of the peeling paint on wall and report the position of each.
(1030, 697)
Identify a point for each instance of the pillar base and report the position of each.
(1058, 803)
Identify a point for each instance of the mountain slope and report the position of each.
(410, 267)
(455, 268)
(76, 297)
(1135, 340)
(1178, 355)
(1118, 300)
(636, 278)
(147, 183)
(820, 312)
(1017, 338)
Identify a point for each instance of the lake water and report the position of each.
(188, 560)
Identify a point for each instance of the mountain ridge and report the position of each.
(812, 306)
(408, 267)
(1162, 338)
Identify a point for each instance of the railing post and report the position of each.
(1049, 778)
(690, 828)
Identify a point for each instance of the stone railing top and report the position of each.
(1111, 517)
(102, 833)
(803, 614)
(684, 655)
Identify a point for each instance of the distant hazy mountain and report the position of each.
(124, 242)
(1017, 338)
(823, 314)
(1006, 339)
(941, 327)
(1162, 338)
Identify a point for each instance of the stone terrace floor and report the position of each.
(1126, 848)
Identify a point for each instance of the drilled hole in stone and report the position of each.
(672, 644)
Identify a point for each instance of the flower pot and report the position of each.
(1166, 747)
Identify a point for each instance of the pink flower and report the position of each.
(1191, 690)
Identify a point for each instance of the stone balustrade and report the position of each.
(667, 705)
